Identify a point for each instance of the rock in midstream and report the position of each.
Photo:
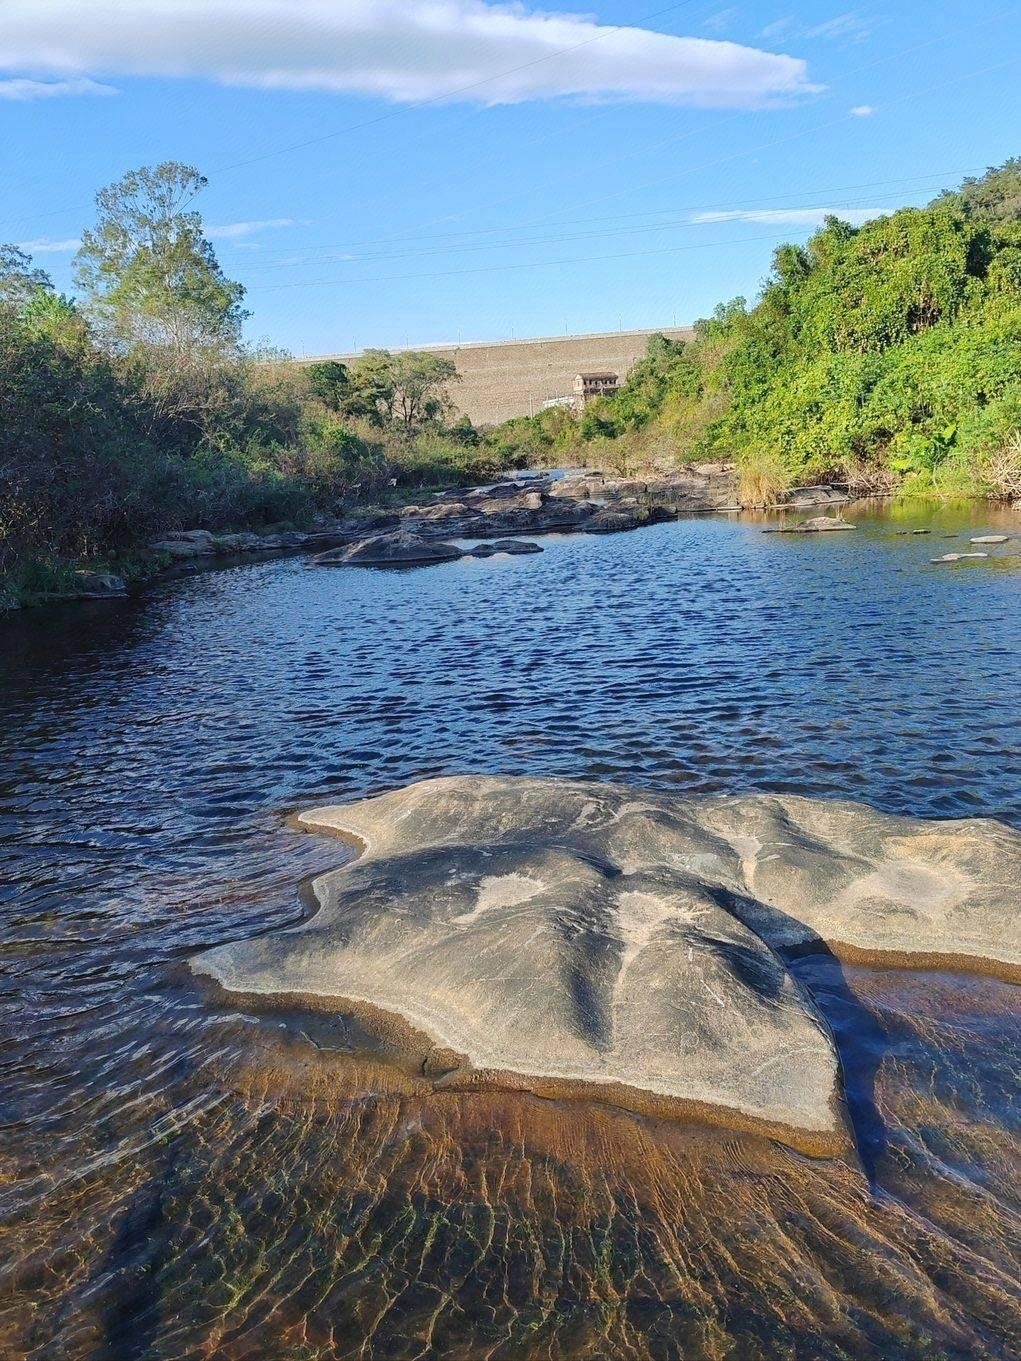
(399, 548)
(821, 524)
(553, 934)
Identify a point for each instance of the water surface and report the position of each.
(181, 1179)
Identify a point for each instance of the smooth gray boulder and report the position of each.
(991, 538)
(99, 586)
(552, 935)
(535, 933)
(400, 548)
(186, 543)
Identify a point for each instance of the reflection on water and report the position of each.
(181, 1179)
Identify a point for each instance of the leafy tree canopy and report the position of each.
(148, 269)
(20, 280)
(890, 348)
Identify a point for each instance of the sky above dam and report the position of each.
(393, 172)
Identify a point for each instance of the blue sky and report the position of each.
(391, 172)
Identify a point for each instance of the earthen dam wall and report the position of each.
(501, 379)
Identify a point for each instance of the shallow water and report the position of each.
(183, 1179)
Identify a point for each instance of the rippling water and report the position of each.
(181, 1179)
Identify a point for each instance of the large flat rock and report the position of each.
(561, 935)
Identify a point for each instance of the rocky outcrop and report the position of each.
(186, 543)
(626, 517)
(99, 586)
(555, 935)
(399, 548)
(442, 510)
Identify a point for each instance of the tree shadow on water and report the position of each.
(134, 1314)
(860, 1039)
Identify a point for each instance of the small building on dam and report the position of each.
(502, 379)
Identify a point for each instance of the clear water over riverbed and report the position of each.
(183, 1179)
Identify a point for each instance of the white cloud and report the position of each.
(402, 50)
(236, 231)
(799, 217)
(49, 247)
(862, 111)
(21, 88)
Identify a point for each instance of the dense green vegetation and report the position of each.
(885, 354)
(136, 409)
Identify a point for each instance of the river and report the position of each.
(172, 1186)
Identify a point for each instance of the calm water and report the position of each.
(178, 1179)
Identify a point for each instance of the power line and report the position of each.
(464, 248)
(532, 264)
(942, 176)
(452, 93)
(712, 164)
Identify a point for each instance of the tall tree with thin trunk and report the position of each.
(149, 272)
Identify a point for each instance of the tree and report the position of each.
(20, 281)
(420, 383)
(148, 269)
(330, 382)
(408, 389)
(995, 197)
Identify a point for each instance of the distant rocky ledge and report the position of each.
(567, 937)
(580, 501)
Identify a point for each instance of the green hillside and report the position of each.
(880, 354)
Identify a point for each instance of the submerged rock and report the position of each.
(803, 497)
(546, 934)
(397, 549)
(514, 547)
(821, 524)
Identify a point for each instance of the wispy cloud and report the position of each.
(22, 89)
(795, 217)
(49, 247)
(851, 25)
(237, 231)
(779, 28)
(401, 50)
(862, 111)
(720, 21)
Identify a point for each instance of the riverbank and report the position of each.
(581, 500)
